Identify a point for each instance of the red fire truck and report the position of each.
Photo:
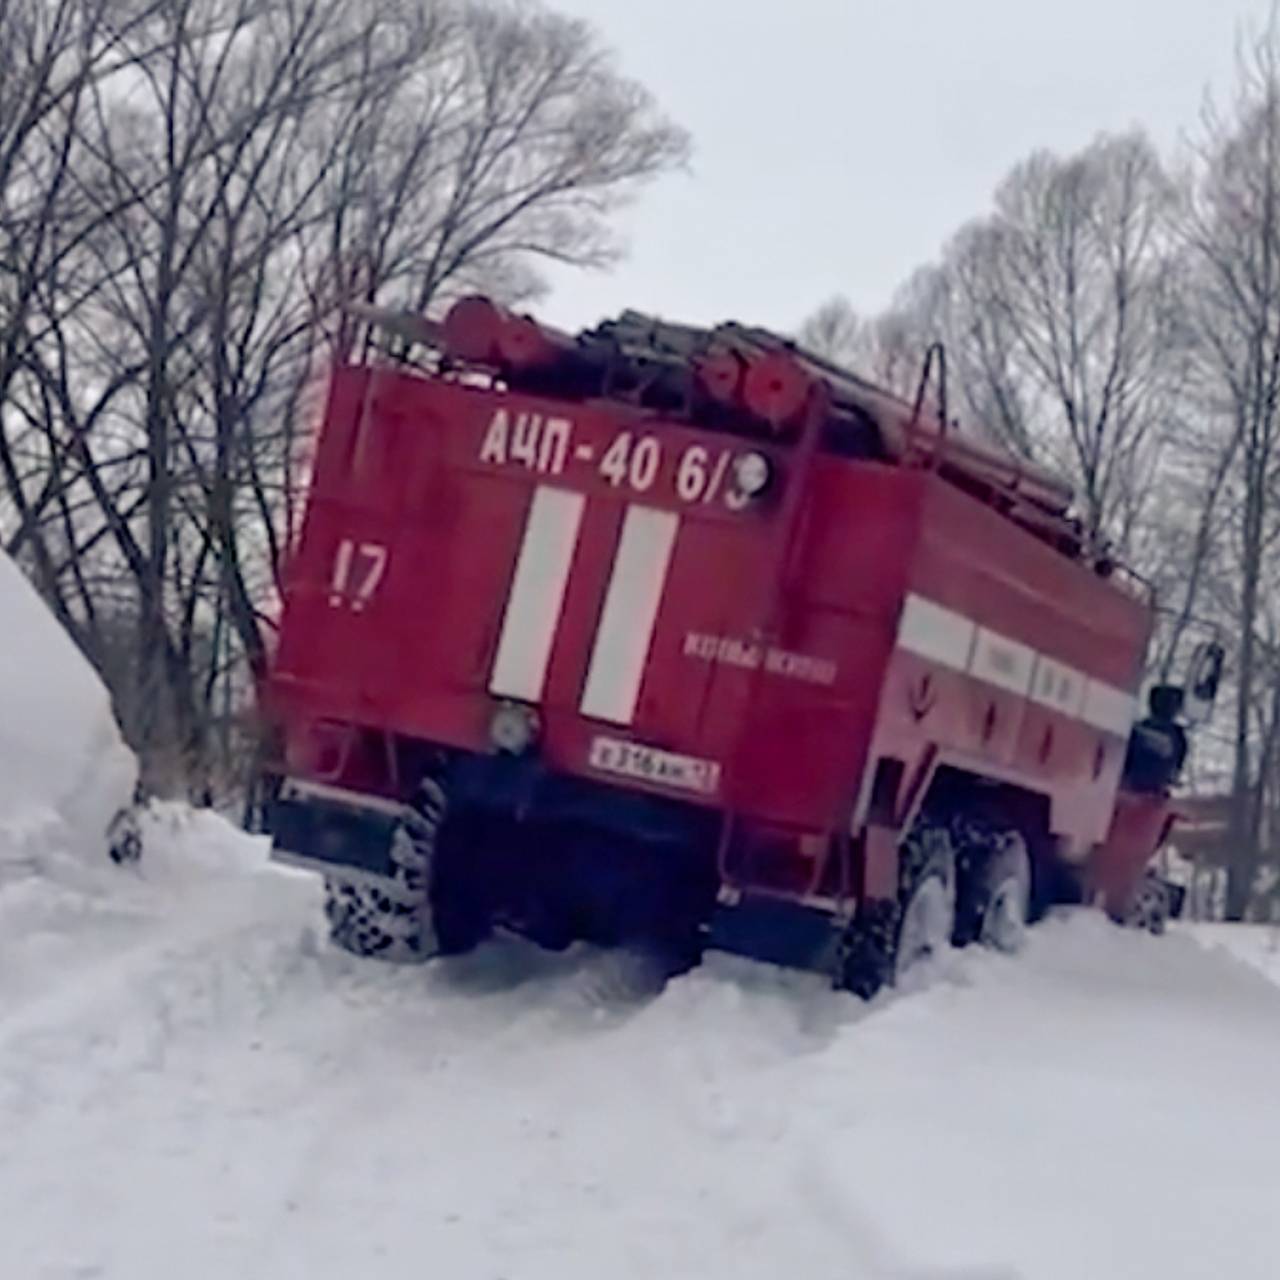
(667, 637)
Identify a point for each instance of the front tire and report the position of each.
(1151, 906)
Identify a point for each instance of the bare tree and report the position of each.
(1234, 235)
(1065, 321)
(1061, 320)
(1125, 327)
(512, 140)
(835, 331)
(887, 349)
(52, 52)
(232, 167)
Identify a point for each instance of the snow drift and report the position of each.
(187, 1071)
(65, 771)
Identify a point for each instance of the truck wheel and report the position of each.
(124, 837)
(928, 895)
(460, 913)
(887, 939)
(864, 956)
(1150, 908)
(394, 921)
(994, 895)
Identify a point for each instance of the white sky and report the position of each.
(838, 143)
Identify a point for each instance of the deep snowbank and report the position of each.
(64, 769)
(190, 1081)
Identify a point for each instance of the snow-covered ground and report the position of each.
(1256, 945)
(193, 1084)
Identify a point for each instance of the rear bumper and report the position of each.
(336, 831)
(518, 850)
(525, 790)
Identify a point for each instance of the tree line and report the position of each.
(1116, 316)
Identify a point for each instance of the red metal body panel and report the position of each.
(965, 559)
(416, 655)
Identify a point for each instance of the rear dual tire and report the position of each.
(984, 895)
(887, 939)
(928, 893)
(994, 905)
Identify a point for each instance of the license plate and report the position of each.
(648, 764)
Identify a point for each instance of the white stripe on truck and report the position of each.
(630, 612)
(932, 632)
(537, 594)
(952, 640)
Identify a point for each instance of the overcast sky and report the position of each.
(839, 142)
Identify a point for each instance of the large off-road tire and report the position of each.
(994, 887)
(887, 939)
(864, 955)
(927, 875)
(394, 920)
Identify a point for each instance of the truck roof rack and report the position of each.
(737, 377)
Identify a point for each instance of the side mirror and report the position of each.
(1204, 675)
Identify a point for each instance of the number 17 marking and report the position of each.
(357, 571)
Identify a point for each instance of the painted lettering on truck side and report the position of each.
(634, 461)
(733, 652)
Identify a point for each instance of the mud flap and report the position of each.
(775, 932)
(346, 841)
